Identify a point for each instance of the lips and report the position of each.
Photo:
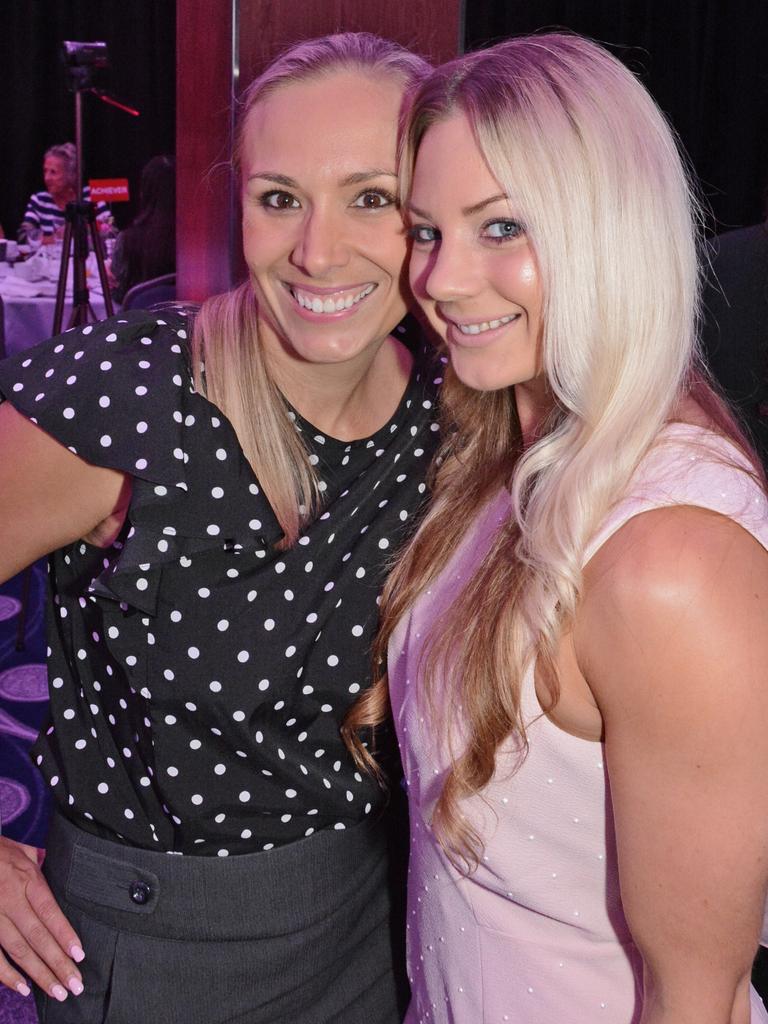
(330, 301)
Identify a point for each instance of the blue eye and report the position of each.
(499, 230)
(277, 200)
(374, 199)
(423, 234)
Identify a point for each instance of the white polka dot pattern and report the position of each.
(208, 672)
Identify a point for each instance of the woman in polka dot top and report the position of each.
(222, 503)
(577, 642)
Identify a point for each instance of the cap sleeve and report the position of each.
(120, 394)
(108, 392)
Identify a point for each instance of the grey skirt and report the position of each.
(305, 933)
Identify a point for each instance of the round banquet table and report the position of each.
(28, 319)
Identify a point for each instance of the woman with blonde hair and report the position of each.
(576, 636)
(220, 500)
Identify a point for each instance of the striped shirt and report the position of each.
(43, 212)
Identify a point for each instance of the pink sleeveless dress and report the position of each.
(537, 934)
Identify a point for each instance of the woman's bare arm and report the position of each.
(48, 496)
(672, 638)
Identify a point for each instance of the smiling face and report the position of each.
(472, 268)
(55, 176)
(322, 234)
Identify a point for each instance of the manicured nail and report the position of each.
(59, 992)
(23, 988)
(76, 953)
(74, 985)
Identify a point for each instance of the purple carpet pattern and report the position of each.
(15, 1010)
(23, 708)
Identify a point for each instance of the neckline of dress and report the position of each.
(314, 436)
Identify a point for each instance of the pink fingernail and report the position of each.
(59, 992)
(23, 988)
(75, 986)
(76, 953)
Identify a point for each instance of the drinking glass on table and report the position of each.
(34, 237)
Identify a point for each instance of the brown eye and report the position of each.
(279, 201)
(374, 199)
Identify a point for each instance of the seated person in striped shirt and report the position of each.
(44, 215)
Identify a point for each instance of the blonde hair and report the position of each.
(228, 363)
(594, 173)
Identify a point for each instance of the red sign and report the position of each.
(109, 190)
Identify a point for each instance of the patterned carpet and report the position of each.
(15, 1010)
(23, 704)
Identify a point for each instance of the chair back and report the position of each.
(148, 293)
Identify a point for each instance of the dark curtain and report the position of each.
(706, 63)
(37, 111)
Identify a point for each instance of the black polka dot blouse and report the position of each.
(198, 676)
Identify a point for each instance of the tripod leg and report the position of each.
(80, 306)
(98, 248)
(58, 313)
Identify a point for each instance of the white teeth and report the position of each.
(486, 325)
(318, 305)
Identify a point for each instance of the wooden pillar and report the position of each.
(221, 46)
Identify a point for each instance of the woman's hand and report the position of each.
(34, 933)
(672, 637)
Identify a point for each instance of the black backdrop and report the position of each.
(704, 60)
(37, 111)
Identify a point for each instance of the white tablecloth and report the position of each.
(29, 319)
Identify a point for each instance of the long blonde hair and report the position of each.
(228, 362)
(599, 183)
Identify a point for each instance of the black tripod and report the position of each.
(80, 222)
(80, 62)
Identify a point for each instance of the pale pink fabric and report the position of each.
(536, 935)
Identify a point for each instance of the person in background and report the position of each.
(735, 329)
(147, 248)
(577, 636)
(44, 216)
(221, 500)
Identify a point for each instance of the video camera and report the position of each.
(80, 60)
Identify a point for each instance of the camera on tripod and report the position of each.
(88, 55)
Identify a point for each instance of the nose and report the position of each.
(322, 245)
(448, 271)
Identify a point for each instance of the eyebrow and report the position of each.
(357, 178)
(467, 211)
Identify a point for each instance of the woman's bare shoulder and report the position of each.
(669, 582)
